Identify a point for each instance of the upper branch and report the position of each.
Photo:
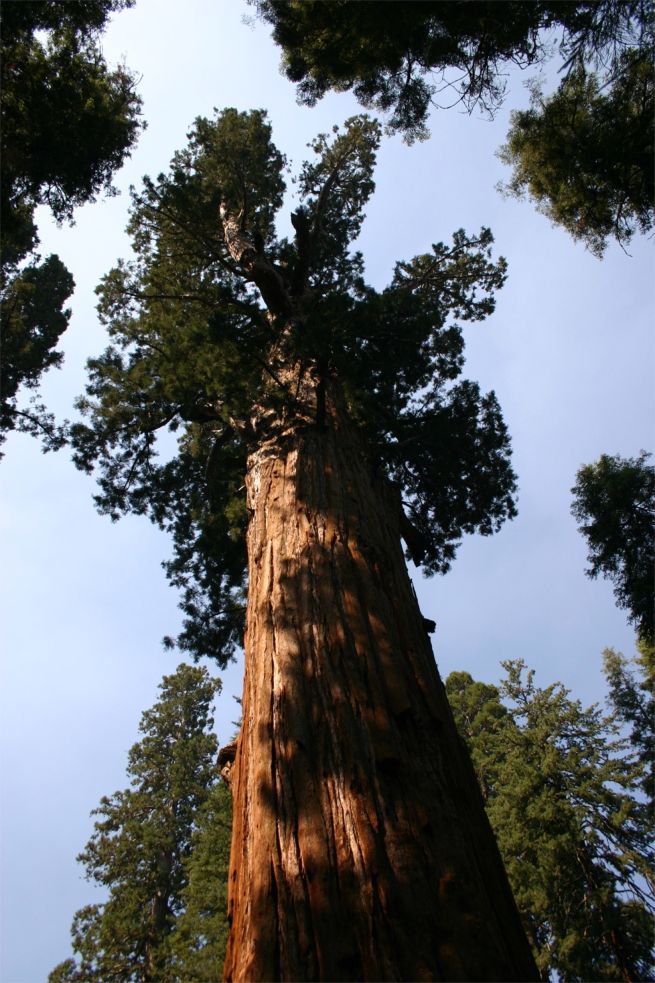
(308, 233)
(255, 265)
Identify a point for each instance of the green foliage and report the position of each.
(386, 52)
(56, 93)
(562, 797)
(614, 502)
(633, 704)
(141, 846)
(199, 939)
(201, 344)
(585, 154)
(397, 56)
(32, 320)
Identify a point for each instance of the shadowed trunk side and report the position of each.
(361, 849)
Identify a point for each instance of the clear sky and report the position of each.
(84, 603)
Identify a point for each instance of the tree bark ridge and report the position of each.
(360, 846)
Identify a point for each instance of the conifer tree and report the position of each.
(56, 93)
(614, 502)
(318, 421)
(199, 939)
(141, 846)
(583, 154)
(401, 56)
(562, 793)
(632, 700)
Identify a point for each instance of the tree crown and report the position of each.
(398, 56)
(561, 788)
(141, 846)
(208, 319)
(56, 93)
(614, 502)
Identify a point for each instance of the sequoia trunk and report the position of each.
(360, 849)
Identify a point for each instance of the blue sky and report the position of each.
(84, 603)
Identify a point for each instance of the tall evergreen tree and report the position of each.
(614, 502)
(585, 153)
(326, 420)
(562, 794)
(632, 700)
(56, 93)
(141, 845)
(199, 939)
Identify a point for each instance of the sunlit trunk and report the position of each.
(360, 850)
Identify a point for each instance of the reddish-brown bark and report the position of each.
(361, 849)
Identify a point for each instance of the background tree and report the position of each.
(585, 154)
(327, 419)
(56, 93)
(632, 703)
(397, 56)
(199, 939)
(142, 842)
(563, 799)
(614, 502)
(32, 319)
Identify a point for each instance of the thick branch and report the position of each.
(256, 266)
(414, 539)
(306, 236)
(304, 242)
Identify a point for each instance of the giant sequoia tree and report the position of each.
(318, 422)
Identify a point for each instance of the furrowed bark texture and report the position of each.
(360, 850)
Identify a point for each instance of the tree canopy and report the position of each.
(199, 938)
(614, 502)
(57, 93)
(32, 319)
(632, 700)
(202, 334)
(562, 791)
(584, 154)
(398, 55)
(142, 843)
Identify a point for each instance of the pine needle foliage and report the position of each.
(200, 344)
(614, 503)
(632, 701)
(404, 56)
(562, 791)
(141, 847)
(56, 93)
(584, 154)
(199, 939)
